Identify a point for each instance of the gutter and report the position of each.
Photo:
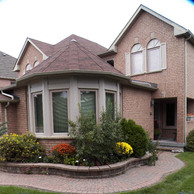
(8, 103)
(185, 136)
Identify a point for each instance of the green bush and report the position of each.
(20, 148)
(95, 144)
(3, 128)
(190, 141)
(136, 136)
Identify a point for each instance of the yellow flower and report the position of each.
(124, 148)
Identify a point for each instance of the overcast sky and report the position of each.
(97, 20)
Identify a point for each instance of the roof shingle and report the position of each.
(6, 66)
(73, 56)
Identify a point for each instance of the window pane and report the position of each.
(170, 114)
(88, 103)
(38, 113)
(137, 62)
(110, 104)
(60, 112)
(154, 59)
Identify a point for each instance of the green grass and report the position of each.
(182, 180)
(19, 190)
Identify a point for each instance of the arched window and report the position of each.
(154, 55)
(36, 63)
(28, 67)
(137, 59)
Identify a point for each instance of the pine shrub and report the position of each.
(190, 141)
(136, 136)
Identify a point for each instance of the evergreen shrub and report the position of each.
(136, 136)
(190, 141)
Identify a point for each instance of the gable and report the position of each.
(28, 58)
(177, 29)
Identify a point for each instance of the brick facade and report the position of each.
(171, 81)
(30, 57)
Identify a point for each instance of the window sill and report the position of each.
(63, 136)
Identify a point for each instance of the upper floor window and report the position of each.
(153, 55)
(141, 60)
(36, 63)
(137, 65)
(28, 67)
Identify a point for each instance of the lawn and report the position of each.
(19, 190)
(182, 180)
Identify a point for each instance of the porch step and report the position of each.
(170, 149)
(170, 146)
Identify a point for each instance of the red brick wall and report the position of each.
(49, 143)
(17, 113)
(4, 82)
(31, 55)
(136, 106)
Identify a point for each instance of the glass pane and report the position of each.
(154, 59)
(88, 103)
(38, 113)
(137, 62)
(60, 112)
(110, 104)
(170, 114)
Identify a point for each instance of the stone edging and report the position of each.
(74, 171)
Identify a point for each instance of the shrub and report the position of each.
(62, 151)
(3, 128)
(95, 143)
(190, 141)
(20, 148)
(136, 136)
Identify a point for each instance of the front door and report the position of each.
(165, 119)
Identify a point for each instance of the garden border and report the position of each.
(104, 171)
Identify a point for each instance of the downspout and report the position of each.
(8, 103)
(186, 88)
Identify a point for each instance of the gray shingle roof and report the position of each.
(7, 63)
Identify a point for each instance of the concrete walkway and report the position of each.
(133, 179)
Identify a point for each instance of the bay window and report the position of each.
(38, 113)
(60, 112)
(110, 104)
(88, 103)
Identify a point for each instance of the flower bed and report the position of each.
(74, 171)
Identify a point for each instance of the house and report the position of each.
(7, 63)
(7, 76)
(146, 73)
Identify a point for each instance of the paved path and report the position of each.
(135, 178)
